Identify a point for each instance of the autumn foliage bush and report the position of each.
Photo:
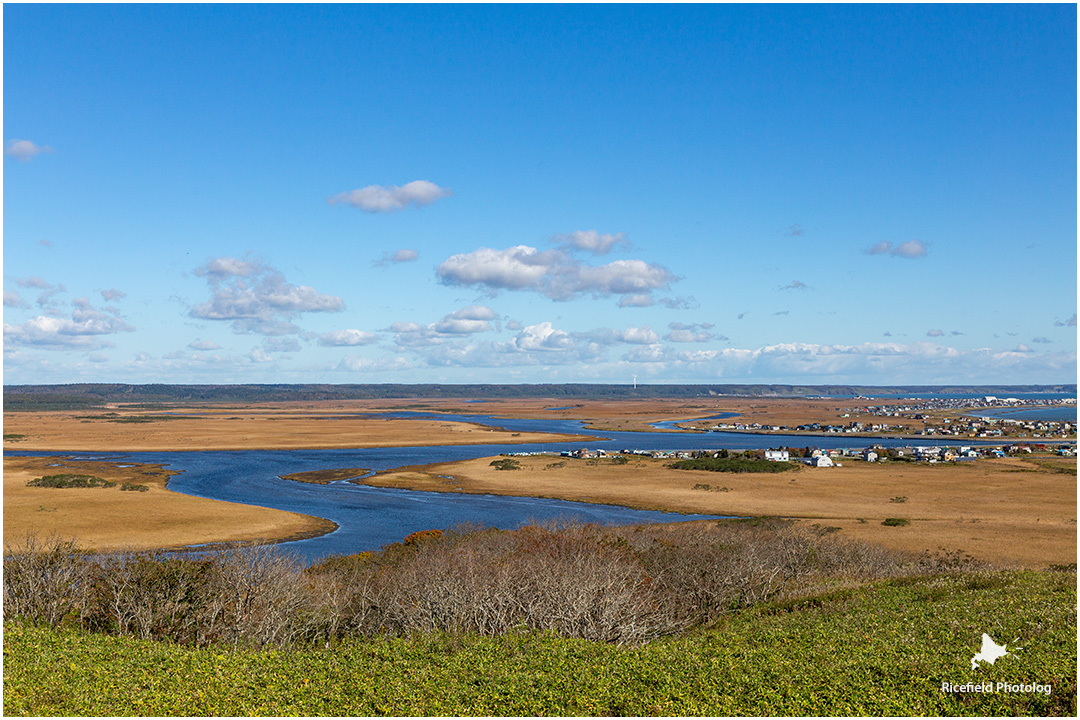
(619, 585)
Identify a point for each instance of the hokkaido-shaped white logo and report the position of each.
(990, 651)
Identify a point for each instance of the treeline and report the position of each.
(87, 395)
(619, 585)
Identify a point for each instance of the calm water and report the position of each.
(372, 517)
(1058, 413)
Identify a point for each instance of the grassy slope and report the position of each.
(883, 650)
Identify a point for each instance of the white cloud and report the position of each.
(14, 300)
(347, 338)
(398, 256)
(257, 355)
(382, 199)
(25, 150)
(681, 303)
(636, 301)
(281, 344)
(204, 345)
(256, 298)
(48, 290)
(355, 363)
(467, 320)
(543, 337)
(795, 285)
(554, 273)
(1071, 322)
(632, 335)
(934, 333)
(84, 330)
(590, 241)
(910, 249)
(687, 333)
(113, 294)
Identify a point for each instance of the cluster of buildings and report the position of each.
(963, 426)
(817, 457)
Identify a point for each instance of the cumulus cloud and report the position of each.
(256, 298)
(1071, 322)
(543, 337)
(347, 338)
(691, 333)
(934, 333)
(1043, 340)
(608, 336)
(909, 249)
(25, 150)
(554, 274)
(383, 199)
(398, 256)
(258, 355)
(636, 301)
(466, 321)
(85, 329)
(110, 295)
(204, 345)
(590, 241)
(795, 285)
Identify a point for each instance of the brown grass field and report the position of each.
(270, 426)
(111, 519)
(1004, 511)
(1007, 511)
(341, 424)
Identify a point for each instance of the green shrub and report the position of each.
(70, 480)
(505, 464)
(732, 464)
(134, 487)
(896, 522)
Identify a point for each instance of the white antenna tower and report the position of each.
(635, 382)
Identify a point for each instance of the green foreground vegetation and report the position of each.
(882, 649)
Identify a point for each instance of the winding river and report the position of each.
(370, 517)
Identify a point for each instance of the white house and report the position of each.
(776, 455)
(821, 461)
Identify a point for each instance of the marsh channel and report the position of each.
(370, 517)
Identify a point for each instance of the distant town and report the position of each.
(965, 423)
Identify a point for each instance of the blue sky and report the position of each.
(709, 193)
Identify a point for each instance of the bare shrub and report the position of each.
(258, 597)
(150, 595)
(45, 580)
(619, 585)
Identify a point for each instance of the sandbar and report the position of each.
(107, 519)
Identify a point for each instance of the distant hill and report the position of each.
(86, 395)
